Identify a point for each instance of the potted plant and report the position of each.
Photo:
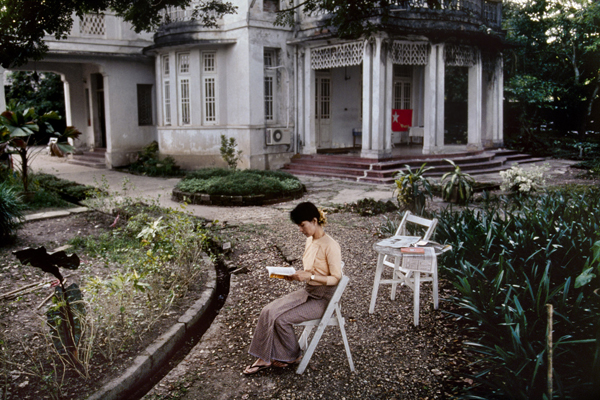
(457, 186)
(412, 189)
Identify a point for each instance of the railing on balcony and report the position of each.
(490, 11)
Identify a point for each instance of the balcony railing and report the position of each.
(489, 11)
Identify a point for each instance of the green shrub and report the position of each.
(507, 264)
(149, 163)
(368, 207)
(217, 181)
(68, 190)
(11, 208)
(413, 189)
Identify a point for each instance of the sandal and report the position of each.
(253, 369)
(282, 364)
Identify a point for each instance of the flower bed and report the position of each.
(217, 186)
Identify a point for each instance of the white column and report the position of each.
(499, 101)
(367, 97)
(379, 139)
(435, 70)
(475, 104)
(158, 84)
(388, 87)
(310, 146)
(67, 94)
(2, 94)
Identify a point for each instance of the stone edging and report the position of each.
(152, 358)
(55, 214)
(236, 201)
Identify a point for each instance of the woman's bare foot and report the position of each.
(281, 364)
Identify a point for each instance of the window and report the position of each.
(183, 72)
(403, 87)
(166, 90)
(144, 102)
(271, 5)
(270, 60)
(209, 87)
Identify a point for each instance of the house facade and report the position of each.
(281, 91)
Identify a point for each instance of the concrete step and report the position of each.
(92, 159)
(370, 171)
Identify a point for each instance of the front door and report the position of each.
(323, 111)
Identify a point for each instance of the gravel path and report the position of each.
(393, 358)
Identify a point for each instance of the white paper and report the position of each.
(399, 241)
(285, 271)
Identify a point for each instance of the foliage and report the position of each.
(159, 253)
(228, 152)
(11, 207)
(44, 92)
(349, 19)
(507, 264)
(458, 184)
(149, 163)
(413, 189)
(518, 180)
(17, 127)
(368, 207)
(216, 181)
(68, 190)
(65, 327)
(25, 23)
(553, 61)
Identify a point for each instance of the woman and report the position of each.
(274, 341)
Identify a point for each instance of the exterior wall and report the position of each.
(239, 45)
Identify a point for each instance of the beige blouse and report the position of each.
(323, 257)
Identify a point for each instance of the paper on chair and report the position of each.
(399, 241)
(280, 272)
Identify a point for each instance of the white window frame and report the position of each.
(184, 101)
(403, 88)
(210, 98)
(270, 85)
(166, 90)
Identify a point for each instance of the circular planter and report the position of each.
(235, 201)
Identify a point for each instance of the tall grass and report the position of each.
(509, 261)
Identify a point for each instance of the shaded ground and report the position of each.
(25, 372)
(393, 358)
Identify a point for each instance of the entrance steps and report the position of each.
(349, 167)
(93, 159)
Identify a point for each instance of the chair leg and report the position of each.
(416, 297)
(303, 341)
(378, 272)
(394, 278)
(345, 339)
(436, 301)
(311, 349)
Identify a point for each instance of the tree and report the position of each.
(17, 128)
(554, 59)
(44, 91)
(24, 23)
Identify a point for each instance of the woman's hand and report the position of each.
(301, 276)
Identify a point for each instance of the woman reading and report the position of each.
(274, 342)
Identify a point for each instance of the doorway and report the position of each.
(100, 120)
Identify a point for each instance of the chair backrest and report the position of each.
(428, 224)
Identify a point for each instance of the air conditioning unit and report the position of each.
(277, 136)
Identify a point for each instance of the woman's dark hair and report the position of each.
(305, 212)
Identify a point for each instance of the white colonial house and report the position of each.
(280, 91)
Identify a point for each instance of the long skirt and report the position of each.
(274, 337)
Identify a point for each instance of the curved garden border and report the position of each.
(236, 201)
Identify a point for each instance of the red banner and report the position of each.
(401, 120)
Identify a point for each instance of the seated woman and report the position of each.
(274, 341)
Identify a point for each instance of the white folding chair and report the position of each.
(404, 276)
(328, 319)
